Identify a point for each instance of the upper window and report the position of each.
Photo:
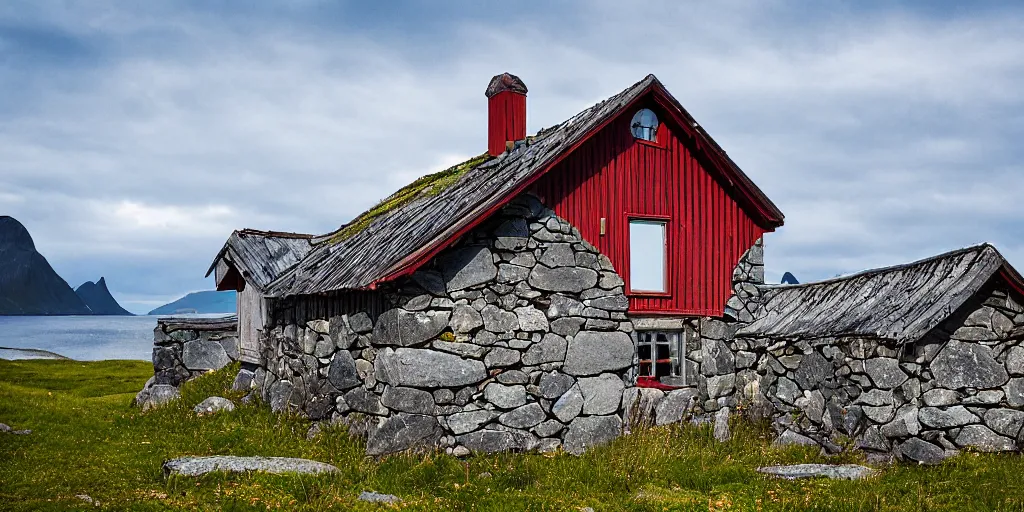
(644, 125)
(647, 256)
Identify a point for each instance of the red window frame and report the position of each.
(654, 381)
(659, 137)
(666, 221)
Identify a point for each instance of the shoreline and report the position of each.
(32, 353)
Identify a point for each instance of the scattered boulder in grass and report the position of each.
(214, 404)
(721, 429)
(243, 381)
(314, 430)
(156, 396)
(789, 438)
(198, 466)
(833, 471)
(376, 497)
(5, 428)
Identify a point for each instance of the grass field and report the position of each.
(87, 440)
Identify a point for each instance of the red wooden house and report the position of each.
(599, 248)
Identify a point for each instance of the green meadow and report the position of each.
(88, 440)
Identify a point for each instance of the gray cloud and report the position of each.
(150, 133)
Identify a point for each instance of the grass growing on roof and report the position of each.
(431, 185)
(86, 440)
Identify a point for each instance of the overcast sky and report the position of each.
(135, 136)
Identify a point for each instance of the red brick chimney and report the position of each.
(506, 112)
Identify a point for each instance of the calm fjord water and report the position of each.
(85, 338)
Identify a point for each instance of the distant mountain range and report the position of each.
(29, 285)
(200, 302)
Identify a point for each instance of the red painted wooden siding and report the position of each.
(612, 175)
(506, 120)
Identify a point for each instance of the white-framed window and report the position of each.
(644, 125)
(647, 253)
(661, 354)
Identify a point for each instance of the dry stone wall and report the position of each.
(747, 278)
(184, 348)
(960, 387)
(516, 338)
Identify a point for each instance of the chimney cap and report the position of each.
(505, 82)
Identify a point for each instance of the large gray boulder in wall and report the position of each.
(505, 397)
(462, 422)
(569, 405)
(523, 417)
(410, 400)
(595, 352)
(921, 451)
(885, 372)
(342, 372)
(492, 441)
(280, 395)
(204, 355)
(467, 267)
(601, 394)
(562, 279)
(967, 365)
(427, 369)
(551, 348)
(498, 320)
(675, 406)
(716, 357)
(554, 384)
(982, 438)
(586, 432)
(406, 328)
(403, 432)
(813, 370)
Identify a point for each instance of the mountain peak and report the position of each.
(13, 235)
(28, 284)
(98, 298)
(99, 283)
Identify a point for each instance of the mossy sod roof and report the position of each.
(425, 186)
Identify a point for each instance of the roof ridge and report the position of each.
(892, 268)
(274, 234)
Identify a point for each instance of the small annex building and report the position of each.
(603, 272)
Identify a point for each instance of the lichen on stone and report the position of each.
(429, 185)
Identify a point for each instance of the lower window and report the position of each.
(661, 354)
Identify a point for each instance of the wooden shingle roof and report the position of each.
(900, 303)
(386, 242)
(261, 256)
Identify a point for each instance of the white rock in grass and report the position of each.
(214, 404)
